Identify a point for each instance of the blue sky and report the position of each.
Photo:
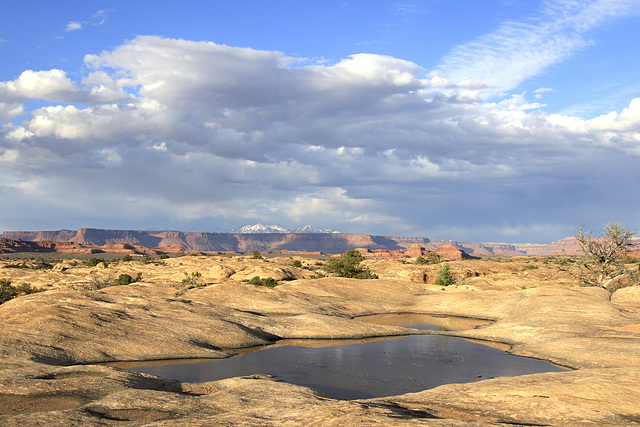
(503, 120)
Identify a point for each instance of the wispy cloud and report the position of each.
(73, 26)
(409, 7)
(520, 50)
(97, 19)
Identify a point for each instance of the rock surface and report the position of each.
(48, 339)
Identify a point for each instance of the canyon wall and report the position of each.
(308, 242)
(329, 243)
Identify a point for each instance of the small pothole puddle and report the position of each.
(364, 368)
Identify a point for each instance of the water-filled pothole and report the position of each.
(355, 369)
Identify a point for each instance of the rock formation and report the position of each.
(307, 242)
(47, 339)
(329, 243)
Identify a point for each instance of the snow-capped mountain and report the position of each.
(261, 228)
(311, 229)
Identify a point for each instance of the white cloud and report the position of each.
(543, 90)
(73, 26)
(199, 133)
(540, 91)
(520, 50)
(96, 19)
(9, 110)
(51, 85)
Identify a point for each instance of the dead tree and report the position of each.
(603, 255)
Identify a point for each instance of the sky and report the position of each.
(494, 121)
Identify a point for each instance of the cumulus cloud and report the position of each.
(55, 86)
(188, 134)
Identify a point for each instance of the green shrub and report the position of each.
(8, 292)
(433, 258)
(191, 279)
(127, 258)
(125, 279)
(348, 265)
(148, 260)
(163, 256)
(445, 277)
(43, 265)
(297, 263)
(269, 282)
(21, 265)
(92, 262)
(256, 254)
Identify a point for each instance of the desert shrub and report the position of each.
(97, 282)
(445, 277)
(8, 291)
(125, 279)
(44, 265)
(148, 260)
(269, 282)
(92, 262)
(255, 254)
(432, 258)
(39, 265)
(297, 263)
(348, 265)
(191, 279)
(163, 256)
(127, 258)
(20, 265)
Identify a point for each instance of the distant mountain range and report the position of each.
(263, 229)
(264, 238)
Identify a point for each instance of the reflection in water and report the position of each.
(360, 369)
(425, 321)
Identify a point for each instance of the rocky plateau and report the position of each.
(53, 344)
(330, 243)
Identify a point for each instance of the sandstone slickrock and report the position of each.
(47, 338)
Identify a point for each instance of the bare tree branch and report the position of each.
(602, 255)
